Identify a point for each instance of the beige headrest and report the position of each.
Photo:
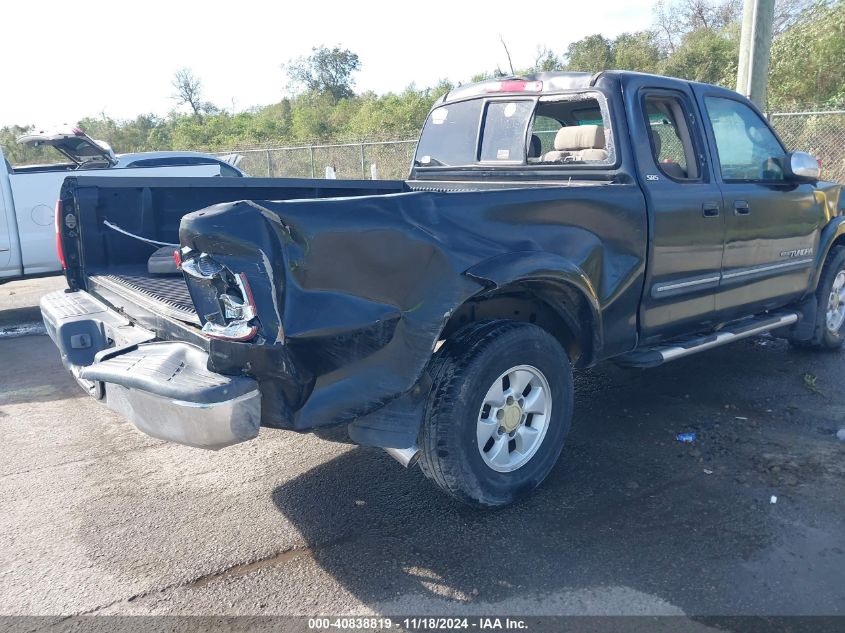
(578, 137)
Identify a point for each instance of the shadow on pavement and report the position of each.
(626, 506)
(31, 371)
(15, 316)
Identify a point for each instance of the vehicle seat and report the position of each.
(535, 147)
(578, 143)
(669, 167)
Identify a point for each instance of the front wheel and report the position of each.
(498, 413)
(829, 327)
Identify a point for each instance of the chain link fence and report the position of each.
(383, 160)
(821, 133)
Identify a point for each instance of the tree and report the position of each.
(326, 71)
(546, 61)
(188, 91)
(706, 55)
(695, 39)
(441, 88)
(675, 19)
(495, 74)
(667, 25)
(637, 51)
(591, 54)
(130, 136)
(713, 15)
(787, 12)
(23, 154)
(808, 59)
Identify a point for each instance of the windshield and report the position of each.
(554, 130)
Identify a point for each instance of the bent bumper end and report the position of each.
(167, 391)
(164, 388)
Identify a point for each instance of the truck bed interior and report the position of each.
(166, 293)
(115, 265)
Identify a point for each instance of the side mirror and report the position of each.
(803, 166)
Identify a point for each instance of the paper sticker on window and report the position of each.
(510, 109)
(503, 154)
(438, 117)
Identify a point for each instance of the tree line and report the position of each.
(690, 39)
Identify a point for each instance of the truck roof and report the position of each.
(540, 83)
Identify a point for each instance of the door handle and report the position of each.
(741, 208)
(710, 209)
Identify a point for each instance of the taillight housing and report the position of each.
(60, 251)
(223, 298)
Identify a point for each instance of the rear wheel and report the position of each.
(498, 414)
(829, 327)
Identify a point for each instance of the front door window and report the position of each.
(748, 150)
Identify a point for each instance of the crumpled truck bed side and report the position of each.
(353, 293)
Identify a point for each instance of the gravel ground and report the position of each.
(98, 518)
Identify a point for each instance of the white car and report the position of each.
(28, 193)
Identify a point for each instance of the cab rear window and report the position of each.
(515, 131)
(503, 136)
(450, 135)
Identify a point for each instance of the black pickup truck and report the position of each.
(549, 222)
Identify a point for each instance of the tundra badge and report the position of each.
(798, 252)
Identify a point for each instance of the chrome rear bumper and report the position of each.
(164, 388)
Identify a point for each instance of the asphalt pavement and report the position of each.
(749, 519)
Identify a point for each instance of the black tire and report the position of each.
(465, 368)
(823, 337)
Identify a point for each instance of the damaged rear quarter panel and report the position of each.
(365, 285)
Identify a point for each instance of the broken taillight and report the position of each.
(238, 312)
(223, 298)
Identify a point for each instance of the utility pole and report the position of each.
(755, 48)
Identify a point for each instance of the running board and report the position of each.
(654, 356)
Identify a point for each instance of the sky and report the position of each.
(67, 61)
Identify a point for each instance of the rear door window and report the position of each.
(672, 144)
